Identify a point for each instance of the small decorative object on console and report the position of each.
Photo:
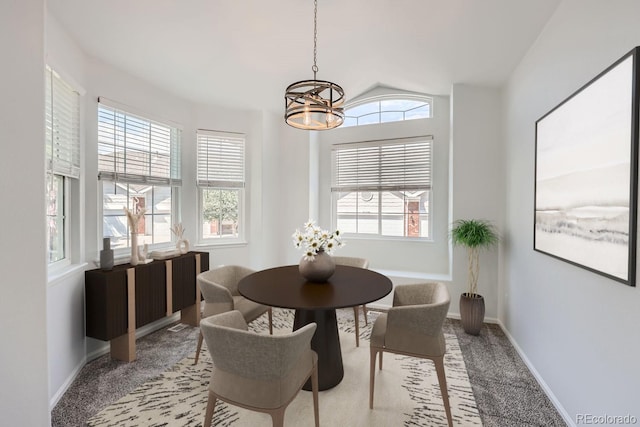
(106, 255)
(182, 244)
(133, 217)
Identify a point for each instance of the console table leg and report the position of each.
(124, 346)
(191, 314)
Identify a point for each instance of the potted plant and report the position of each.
(473, 234)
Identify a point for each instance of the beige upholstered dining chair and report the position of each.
(360, 263)
(219, 287)
(413, 327)
(259, 372)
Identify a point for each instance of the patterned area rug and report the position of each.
(406, 391)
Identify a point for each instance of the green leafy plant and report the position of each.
(474, 234)
(220, 206)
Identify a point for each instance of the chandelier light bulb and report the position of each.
(307, 114)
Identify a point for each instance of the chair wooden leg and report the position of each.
(364, 310)
(442, 380)
(381, 353)
(200, 339)
(314, 389)
(372, 374)
(270, 314)
(211, 405)
(355, 318)
(277, 417)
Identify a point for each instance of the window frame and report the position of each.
(113, 178)
(205, 182)
(428, 100)
(335, 190)
(69, 165)
(175, 218)
(65, 261)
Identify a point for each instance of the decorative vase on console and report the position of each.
(133, 218)
(134, 249)
(106, 255)
(182, 244)
(317, 264)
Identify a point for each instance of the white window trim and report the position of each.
(227, 241)
(240, 240)
(121, 255)
(379, 236)
(387, 97)
(73, 250)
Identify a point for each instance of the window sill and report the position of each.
(59, 275)
(347, 237)
(404, 276)
(221, 244)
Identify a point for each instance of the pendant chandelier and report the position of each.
(314, 104)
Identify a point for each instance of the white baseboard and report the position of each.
(486, 319)
(385, 307)
(67, 383)
(567, 418)
(141, 332)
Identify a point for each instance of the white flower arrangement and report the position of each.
(314, 240)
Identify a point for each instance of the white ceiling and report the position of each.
(244, 53)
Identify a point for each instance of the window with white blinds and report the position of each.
(135, 149)
(62, 153)
(221, 181)
(383, 188)
(383, 165)
(139, 167)
(220, 159)
(62, 126)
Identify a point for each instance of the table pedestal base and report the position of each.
(325, 342)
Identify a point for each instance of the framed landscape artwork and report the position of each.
(586, 175)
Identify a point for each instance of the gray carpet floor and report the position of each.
(506, 393)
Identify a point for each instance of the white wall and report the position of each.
(65, 294)
(294, 154)
(579, 330)
(266, 251)
(23, 358)
(477, 189)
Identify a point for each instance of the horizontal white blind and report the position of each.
(62, 126)
(220, 159)
(137, 150)
(389, 165)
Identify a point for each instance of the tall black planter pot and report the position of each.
(471, 313)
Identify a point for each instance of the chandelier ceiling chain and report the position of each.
(314, 104)
(315, 39)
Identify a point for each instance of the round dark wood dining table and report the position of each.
(317, 302)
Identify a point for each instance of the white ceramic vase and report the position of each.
(134, 249)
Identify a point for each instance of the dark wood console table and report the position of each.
(119, 301)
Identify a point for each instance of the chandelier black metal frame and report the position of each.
(314, 104)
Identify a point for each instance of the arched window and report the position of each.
(387, 108)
